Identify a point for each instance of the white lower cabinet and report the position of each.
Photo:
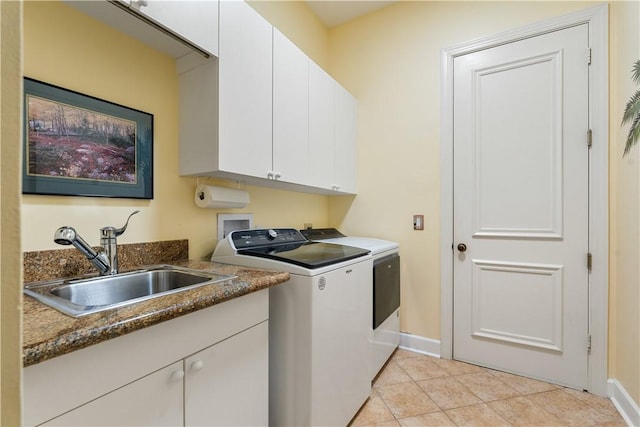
(155, 400)
(227, 384)
(210, 367)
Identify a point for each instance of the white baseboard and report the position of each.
(419, 344)
(623, 402)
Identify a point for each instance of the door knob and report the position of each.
(462, 247)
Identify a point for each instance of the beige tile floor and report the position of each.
(418, 390)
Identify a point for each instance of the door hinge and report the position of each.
(589, 261)
(589, 343)
(589, 138)
(589, 56)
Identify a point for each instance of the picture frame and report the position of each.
(79, 145)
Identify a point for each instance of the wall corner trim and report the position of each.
(624, 403)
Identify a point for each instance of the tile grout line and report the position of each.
(519, 385)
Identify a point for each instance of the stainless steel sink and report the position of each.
(81, 296)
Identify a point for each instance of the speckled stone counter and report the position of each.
(48, 333)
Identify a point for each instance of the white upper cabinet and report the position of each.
(263, 112)
(173, 27)
(321, 127)
(193, 20)
(290, 111)
(245, 91)
(332, 133)
(344, 173)
(258, 109)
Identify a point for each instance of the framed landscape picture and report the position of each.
(78, 145)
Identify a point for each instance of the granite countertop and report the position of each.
(48, 333)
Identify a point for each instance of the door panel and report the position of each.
(533, 316)
(531, 179)
(521, 207)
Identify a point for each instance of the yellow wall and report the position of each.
(297, 21)
(10, 255)
(66, 48)
(390, 61)
(624, 287)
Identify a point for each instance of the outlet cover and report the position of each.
(418, 222)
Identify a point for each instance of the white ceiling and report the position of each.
(335, 12)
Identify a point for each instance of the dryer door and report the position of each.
(386, 288)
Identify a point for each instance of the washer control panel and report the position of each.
(245, 239)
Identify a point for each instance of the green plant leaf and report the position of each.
(632, 109)
(633, 135)
(632, 112)
(636, 72)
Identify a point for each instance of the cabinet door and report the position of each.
(321, 127)
(245, 91)
(195, 21)
(154, 400)
(227, 384)
(344, 173)
(290, 111)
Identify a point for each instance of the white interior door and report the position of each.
(521, 207)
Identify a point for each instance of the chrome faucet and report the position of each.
(105, 261)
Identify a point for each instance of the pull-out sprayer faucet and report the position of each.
(107, 260)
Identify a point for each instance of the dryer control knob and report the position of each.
(271, 234)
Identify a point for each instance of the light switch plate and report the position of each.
(418, 222)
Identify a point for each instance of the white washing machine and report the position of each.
(318, 324)
(385, 324)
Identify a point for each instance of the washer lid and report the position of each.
(321, 233)
(288, 245)
(309, 255)
(331, 235)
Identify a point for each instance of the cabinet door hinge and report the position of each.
(589, 343)
(589, 261)
(589, 56)
(589, 138)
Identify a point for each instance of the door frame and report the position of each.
(598, 19)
